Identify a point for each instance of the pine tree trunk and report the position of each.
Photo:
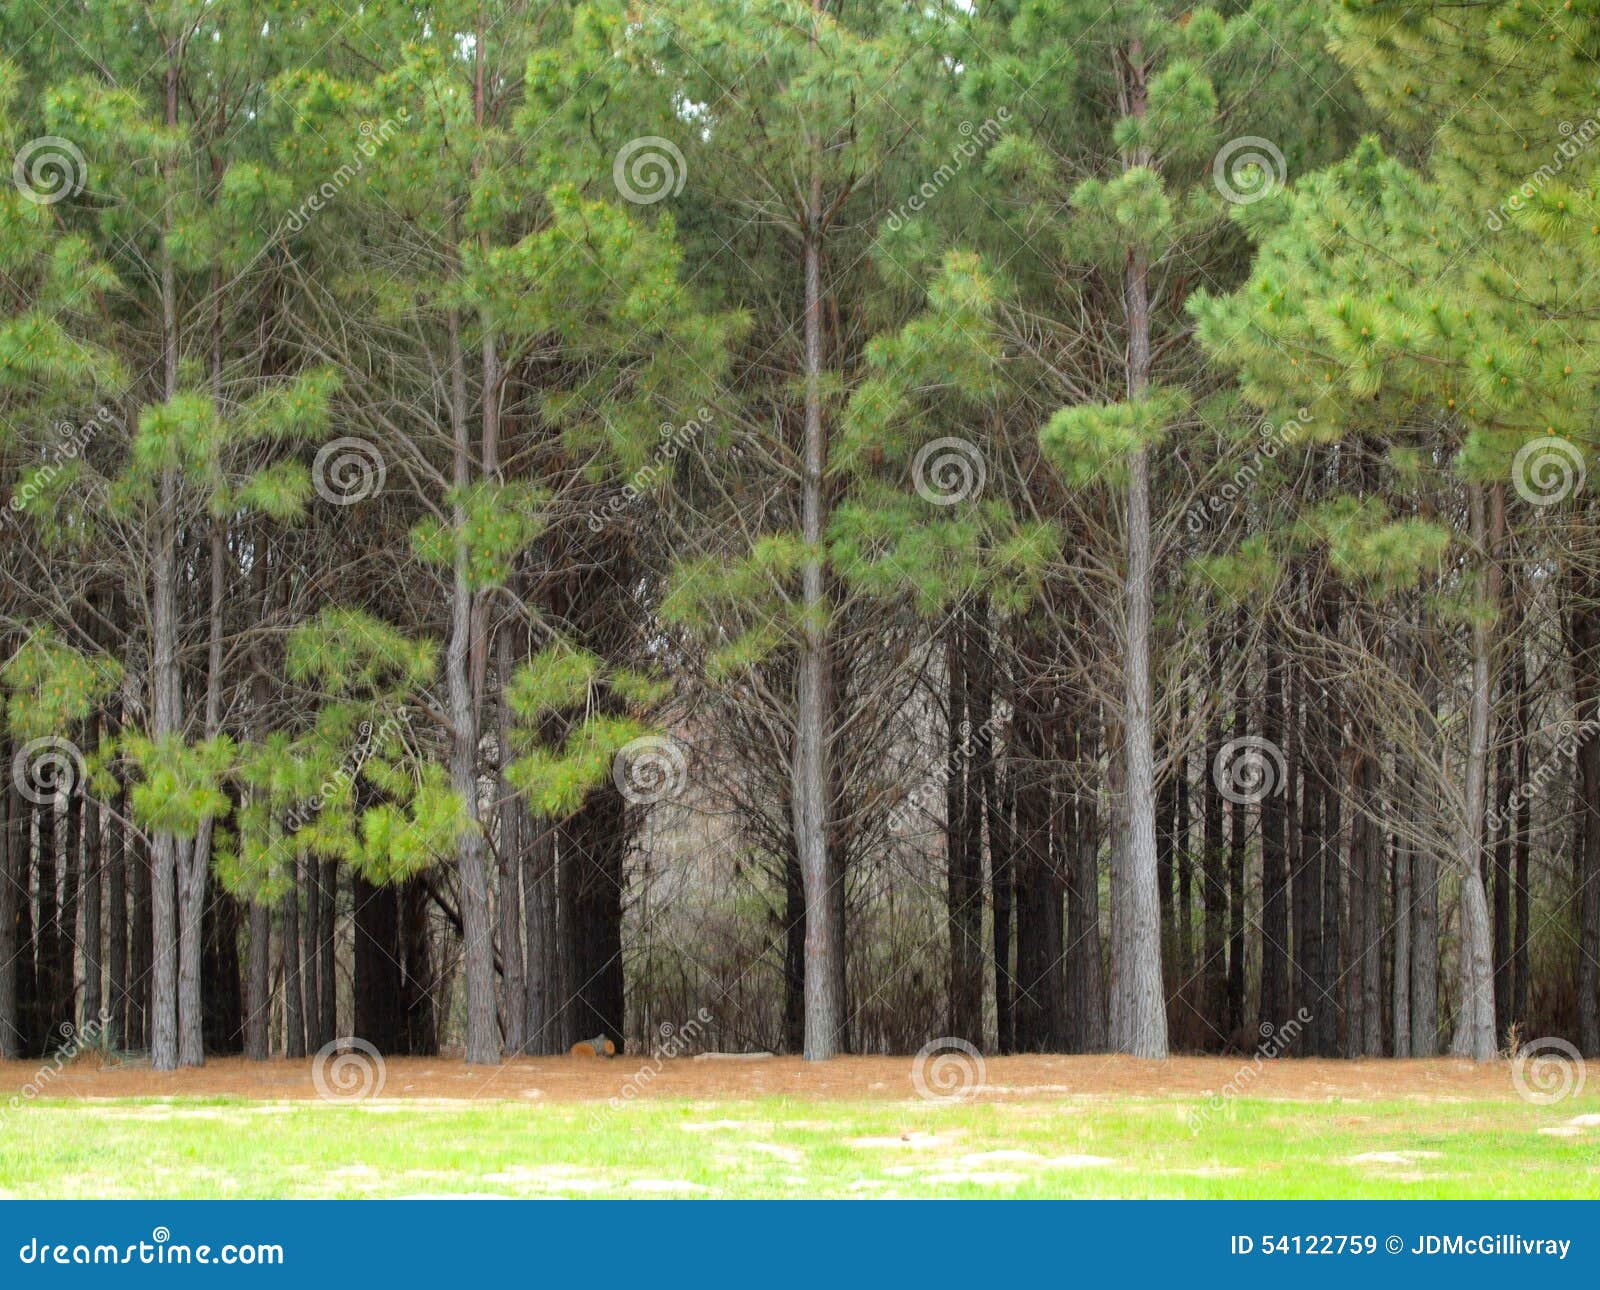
(541, 941)
(964, 908)
(117, 922)
(1213, 864)
(258, 984)
(166, 681)
(1040, 995)
(91, 894)
(1475, 1031)
(1273, 1007)
(11, 1038)
(1401, 1004)
(1307, 874)
(1584, 652)
(1523, 850)
(482, 1026)
(512, 963)
(327, 955)
(1238, 839)
(294, 1016)
(1086, 991)
(1001, 811)
(825, 1014)
(141, 946)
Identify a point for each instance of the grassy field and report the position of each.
(1088, 1147)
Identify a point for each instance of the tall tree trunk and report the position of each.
(1238, 840)
(513, 966)
(258, 984)
(294, 1015)
(327, 955)
(13, 892)
(1401, 1004)
(1080, 840)
(378, 986)
(541, 941)
(117, 980)
(1273, 1005)
(166, 679)
(92, 889)
(1001, 810)
(1522, 850)
(1040, 998)
(825, 1014)
(482, 1027)
(1307, 874)
(964, 908)
(1138, 1005)
(1475, 1033)
(1213, 860)
(141, 970)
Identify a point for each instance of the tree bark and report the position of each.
(1273, 1005)
(11, 1036)
(1475, 1033)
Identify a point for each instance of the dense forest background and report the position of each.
(1058, 524)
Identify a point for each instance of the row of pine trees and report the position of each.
(1112, 469)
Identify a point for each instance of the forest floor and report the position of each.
(633, 1126)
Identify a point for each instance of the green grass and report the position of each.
(783, 1147)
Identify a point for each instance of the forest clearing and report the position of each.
(856, 1127)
